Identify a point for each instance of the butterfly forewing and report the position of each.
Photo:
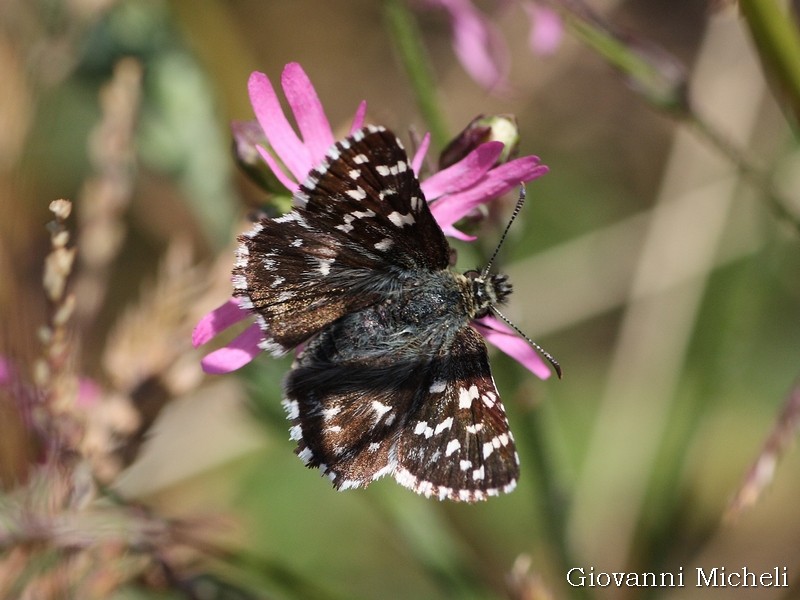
(359, 220)
(367, 190)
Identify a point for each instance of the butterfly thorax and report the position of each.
(486, 291)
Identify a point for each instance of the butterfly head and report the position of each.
(487, 291)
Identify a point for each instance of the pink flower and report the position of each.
(480, 47)
(452, 192)
(546, 28)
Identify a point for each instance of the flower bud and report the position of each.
(494, 128)
(247, 136)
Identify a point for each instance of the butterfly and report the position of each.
(391, 379)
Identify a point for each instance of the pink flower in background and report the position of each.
(546, 28)
(480, 47)
(452, 192)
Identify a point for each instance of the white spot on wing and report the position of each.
(452, 446)
(257, 228)
(423, 429)
(239, 282)
(446, 424)
(466, 396)
(357, 194)
(384, 244)
(305, 455)
(292, 408)
(324, 265)
(329, 413)
(346, 227)
(401, 220)
(380, 408)
(488, 448)
(437, 387)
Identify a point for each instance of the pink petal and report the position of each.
(279, 173)
(6, 371)
(546, 31)
(419, 155)
(218, 320)
(506, 339)
(88, 393)
(279, 132)
(315, 129)
(479, 48)
(449, 209)
(454, 233)
(464, 173)
(243, 349)
(358, 119)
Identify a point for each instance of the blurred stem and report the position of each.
(653, 73)
(756, 176)
(240, 567)
(549, 496)
(660, 79)
(214, 36)
(411, 51)
(778, 44)
(440, 553)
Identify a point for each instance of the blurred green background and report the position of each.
(644, 261)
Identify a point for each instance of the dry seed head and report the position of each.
(61, 209)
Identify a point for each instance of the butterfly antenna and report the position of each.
(542, 351)
(517, 208)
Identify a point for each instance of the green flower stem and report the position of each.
(654, 74)
(411, 51)
(550, 497)
(778, 43)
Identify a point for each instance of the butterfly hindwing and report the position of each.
(377, 394)
(457, 443)
(348, 394)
